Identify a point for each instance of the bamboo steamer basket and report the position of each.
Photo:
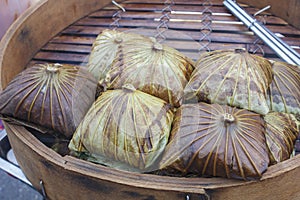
(65, 177)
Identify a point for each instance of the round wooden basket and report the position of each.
(64, 30)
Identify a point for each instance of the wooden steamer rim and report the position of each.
(68, 177)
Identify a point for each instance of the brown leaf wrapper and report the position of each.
(153, 68)
(50, 95)
(284, 91)
(125, 129)
(216, 140)
(105, 49)
(281, 134)
(231, 77)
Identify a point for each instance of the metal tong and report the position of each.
(283, 50)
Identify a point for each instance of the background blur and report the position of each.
(10, 187)
(10, 10)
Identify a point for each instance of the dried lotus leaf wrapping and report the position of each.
(105, 48)
(217, 140)
(125, 129)
(153, 68)
(296, 119)
(284, 91)
(50, 95)
(281, 134)
(234, 78)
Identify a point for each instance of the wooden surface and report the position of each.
(73, 44)
(288, 10)
(63, 31)
(34, 29)
(10, 11)
(70, 178)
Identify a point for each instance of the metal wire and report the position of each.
(43, 190)
(163, 21)
(257, 47)
(117, 16)
(205, 29)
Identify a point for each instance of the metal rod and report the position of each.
(43, 189)
(13, 170)
(283, 50)
(262, 10)
(10, 167)
(118, 5)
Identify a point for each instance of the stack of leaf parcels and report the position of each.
(129, 124)
(281, 133)
(126, 129)
(237, 135)
(231, 115)
(153, 68)
(217, 140)
(54, 96)
(105, 49)
(235, 78)
(149, 66)
(284, 91)
(223, 123)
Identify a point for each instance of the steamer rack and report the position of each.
(190, 26)
(210, 24)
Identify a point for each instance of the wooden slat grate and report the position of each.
(73, 45)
